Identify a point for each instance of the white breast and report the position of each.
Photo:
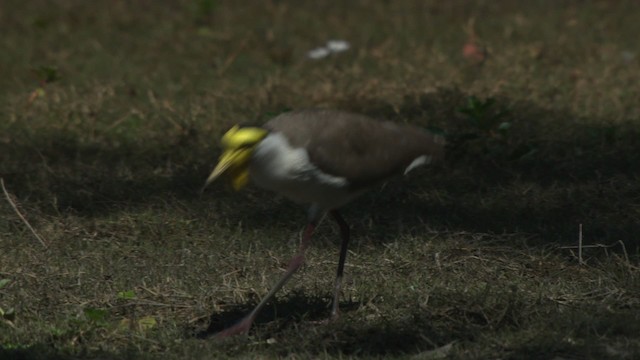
(277, 166)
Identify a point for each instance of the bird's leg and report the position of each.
(344, 234)
(244, 325)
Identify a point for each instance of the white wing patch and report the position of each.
(419, 161)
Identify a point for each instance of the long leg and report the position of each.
(244, 325)
(344, 234)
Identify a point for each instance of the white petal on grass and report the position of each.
(338, 45)
(628, 56)
(318, 53)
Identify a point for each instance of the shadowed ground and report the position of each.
(109, 124)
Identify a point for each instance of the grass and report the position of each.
(109, 120)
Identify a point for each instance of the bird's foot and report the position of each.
(334, 316)
(241, 328)
(335, 309)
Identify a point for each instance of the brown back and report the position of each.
(356, 147)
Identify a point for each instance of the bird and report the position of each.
(324, 158)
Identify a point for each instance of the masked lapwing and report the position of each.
(324, 158)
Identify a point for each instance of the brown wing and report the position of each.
(358, 148)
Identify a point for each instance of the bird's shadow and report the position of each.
(276, 316)
(413, 334)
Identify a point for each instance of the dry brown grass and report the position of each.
(474, 260)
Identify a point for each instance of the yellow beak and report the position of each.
(226, 160)
(230, 159)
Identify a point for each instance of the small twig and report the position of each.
(580, 246)
(602, 246)
(232, 57)
(624, 250)
(15, 208)
(605, 247)
(151, 303)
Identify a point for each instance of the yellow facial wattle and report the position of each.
(238, 145)
(239, 178)
(236, 163)
(238, 137)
